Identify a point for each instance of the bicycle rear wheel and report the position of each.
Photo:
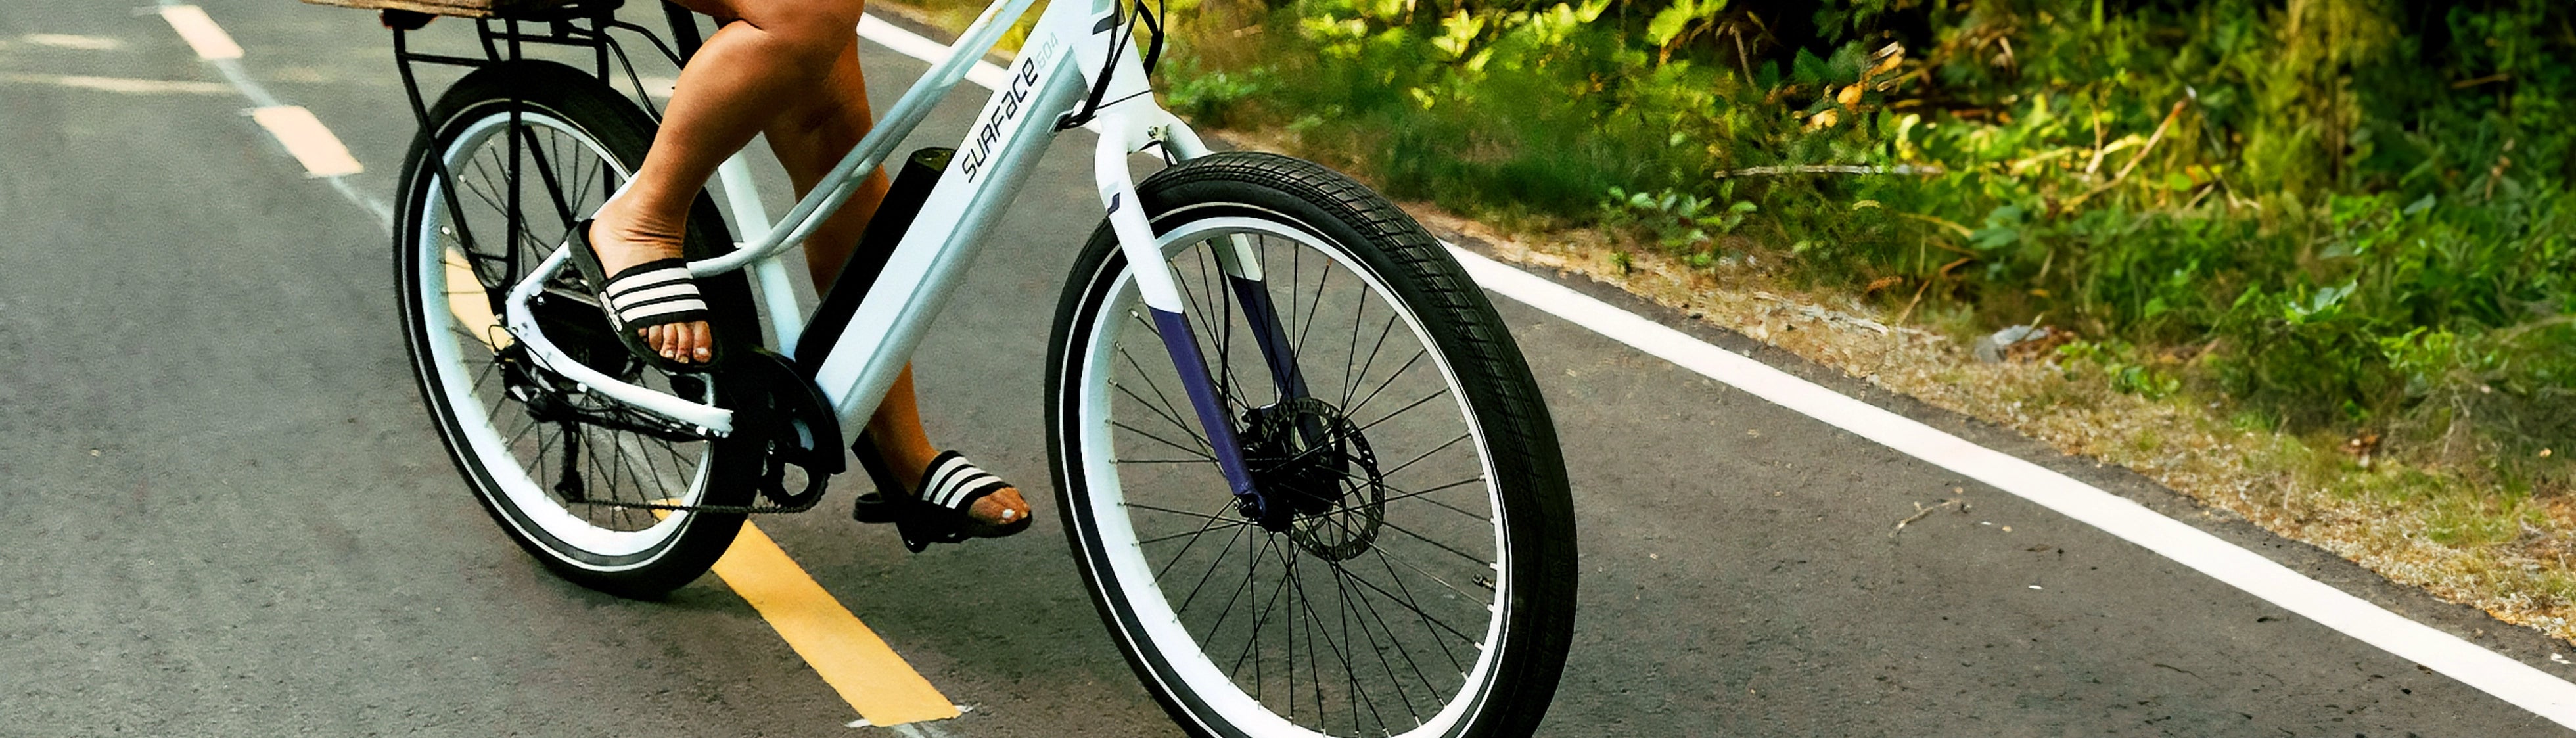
(570, 475)
(1425, 585)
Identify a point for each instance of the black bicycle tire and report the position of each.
(626, 131)
(1490, 371)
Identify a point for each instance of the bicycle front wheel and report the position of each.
(1424, 585)
(515, 155)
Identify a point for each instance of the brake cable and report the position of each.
(1125, 28)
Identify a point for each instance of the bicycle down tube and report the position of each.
(1061, 61)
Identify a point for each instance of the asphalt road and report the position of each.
(228, 515)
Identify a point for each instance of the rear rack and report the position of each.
(504, 32)
(504, 28)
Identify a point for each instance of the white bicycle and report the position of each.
(1303, 466)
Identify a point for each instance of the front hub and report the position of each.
(1317, 474)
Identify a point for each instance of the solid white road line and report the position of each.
(2508, 679)
(2540, 692)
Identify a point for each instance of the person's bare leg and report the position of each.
(810, 137)
(768, 54)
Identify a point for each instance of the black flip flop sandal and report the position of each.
(657, 292)
(937, 512)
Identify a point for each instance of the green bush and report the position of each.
(2345, 213)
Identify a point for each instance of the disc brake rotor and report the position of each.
(1314, 466)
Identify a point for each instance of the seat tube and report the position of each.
(1162, 297)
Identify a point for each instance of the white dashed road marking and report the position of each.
(308, 141)
(127, 85)
(69, 41)
(217, 47)
(201, 33)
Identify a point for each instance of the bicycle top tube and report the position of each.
(874, 148)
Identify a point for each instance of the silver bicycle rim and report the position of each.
(1132, 579)
(473, 395)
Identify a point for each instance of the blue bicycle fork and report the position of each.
(1276, 351)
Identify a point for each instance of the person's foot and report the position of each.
(1000, 508)
(1004, 507)
(623, 238)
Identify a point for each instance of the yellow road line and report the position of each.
(465, 300)
(308, 140)
(850, 657)
(200, 32)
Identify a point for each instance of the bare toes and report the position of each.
(703, 342)
(659, 339)
(1002, 507)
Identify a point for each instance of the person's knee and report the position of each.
(812, 31)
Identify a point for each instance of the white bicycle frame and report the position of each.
(1058, 65)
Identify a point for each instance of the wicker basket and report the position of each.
(458, 8)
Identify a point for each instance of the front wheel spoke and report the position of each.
(1165, 401)
(1213, 522)
(1425, 617)
(1202, 450)
(1358, 311)
(1159, 412)
(1344, 596)
(1407, 601)
(1435, 578)
(1261, 617)
(1315, 623)
(1341, 578)
(1204, 577)
(1461, 511)
(1350, 387)
(1401, 410)
(1298, 347)
(1451, 485)
(1179, 512)
(1227, 610)
(1425, 455)
(1435, 544)
(1404, 495)
(1225, 378)
(1354, 408)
